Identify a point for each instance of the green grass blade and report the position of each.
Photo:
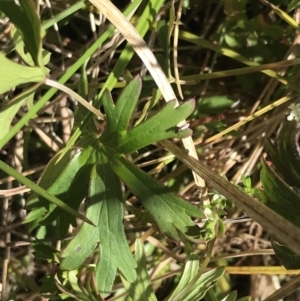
(36, 188)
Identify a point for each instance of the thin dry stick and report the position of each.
(13, 191)
(260, 270)
(70, 92)
(249, 118)
(175, 45)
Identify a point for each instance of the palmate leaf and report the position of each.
(114, 249)
(170, 211)
(159, 127)
(105, 209)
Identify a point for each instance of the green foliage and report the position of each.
(92, 173)
(191, 287)
(215, 104)
(29, 25)
(45, 252)
(98, 166)
(117, 136)
(194, 285)
(13, 74)
(214, 225)
(253, 191)
(141, 288)
(8, 113)
(280, 181)
(293, 5)
(285, 155)
(105, 200)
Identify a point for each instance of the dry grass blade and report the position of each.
(273, 223)
(13, 191)
(67, 90)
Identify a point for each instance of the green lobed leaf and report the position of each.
(13, 74)
(141, 289)
(170, 211)
(105, 209)
(84, 242)
(106, 191)
(119, 115)
(159, 127)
